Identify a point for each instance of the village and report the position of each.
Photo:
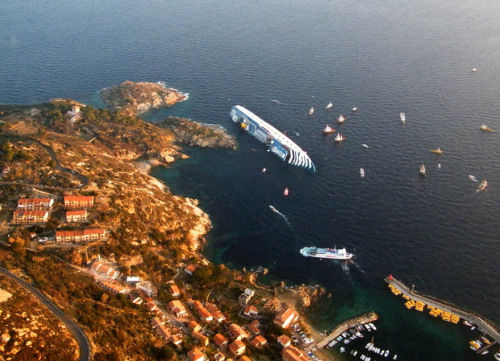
(211, 334)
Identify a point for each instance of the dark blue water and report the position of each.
(381, 56)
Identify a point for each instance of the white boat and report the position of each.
(311, 111)
(365, 145)
(497, 356)
(339, 137)
(355, 109)
(328, 130)
(474, 179)
(474, 70)
(386, 353)
(329, 253)
(341, 119)
(362, 172)
(482, 186)
(342, 349)
(467, 323)
(422, 170)
(372, 326)
(402, 116)
(285, 192)
(395, 357)
(264, 170)
(329, 105)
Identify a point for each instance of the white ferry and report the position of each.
(330, 253)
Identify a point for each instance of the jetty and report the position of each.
(484, 326)
(350, 323)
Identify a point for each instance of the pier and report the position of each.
(483, 325)
(353, 322)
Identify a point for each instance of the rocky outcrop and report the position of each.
(138, 98)
(197, 134)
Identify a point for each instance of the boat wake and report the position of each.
(282, 216)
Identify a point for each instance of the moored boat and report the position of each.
(354, 109)
(311, 111)
(422, 170)
(329, 253)
(482, 186)
(328, 130)
(402, 116)
(339, 137)
(341, 119)
(285, 192)
(329, 105)
(365, 145)
(474, 179)
(437, 151)
(362, 172)
(485, 128)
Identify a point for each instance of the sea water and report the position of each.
(279, 58)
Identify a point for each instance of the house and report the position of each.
(162, 331)
(104, 270)
(219, 356)
(284, 341)
(174, 291)
(177, 308)
(292, 353)
(156, 322)
(114, 287)
(286, 316)
(191, 268)
(35, 204)
(132, 280)
(254, 327)
(216, 313)
(202, 339)
(76, 215)
(250, 311)
(78, 201)
(196, 305)
(40, 216)
(237, 348)
(80, 235)
(236, 332)
(220, 340)
(258, 341)
(246, 296)
(196, 355)
(176, 340)
(194, 326)
(204, 315)
(151, 306)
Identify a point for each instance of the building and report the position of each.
(162, 331)
(246, 296)
(156, 322)
(236, 332)
(286, 316)
(292, 353)
(80, 235)
(196, 355)
(176, 340)
(104, 270)
(250, 311)
(219, 356)
(254, 327)
(78, 201)
(174, 291)
(77, 215)
(114, 287)
(258, 341)
(191, 268)
(237, 348)
(284, 341)
(202, 339)
(30, 216)
(204, 315)
(220, 340)
(177, 308)
(35, 204)
(216, 313)
(194, 326)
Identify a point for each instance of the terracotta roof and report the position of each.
(196, 354)
(78, 199)
(284, 340)
(237, 347)
(292, 353)
(219, 339)
(77, 212)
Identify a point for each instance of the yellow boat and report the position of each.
(437, 151)
(485, 128)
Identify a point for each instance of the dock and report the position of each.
(484, 326)
(350, 323)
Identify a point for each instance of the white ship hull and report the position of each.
(328, 253)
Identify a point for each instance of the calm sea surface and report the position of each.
(382, 56)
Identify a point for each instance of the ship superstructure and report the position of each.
(277, 142)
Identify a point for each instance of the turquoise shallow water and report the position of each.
(383, 57)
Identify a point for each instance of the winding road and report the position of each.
(81, 338)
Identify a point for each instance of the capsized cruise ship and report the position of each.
(276, 141)
(330, 253)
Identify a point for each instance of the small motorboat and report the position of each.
(467, 323)
(339, 138)
(311, 111)
(355, 109)
(365, 145)
(485, 128)
(474, 179)
(362, 172)
(341, 119)
(482, 186)
(285, 192)
(264, 170)
(437, 151)
(422, 170)
(473, 70)
(328, 130)
(329, 105)
(402, 116)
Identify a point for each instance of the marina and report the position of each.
(484, 326)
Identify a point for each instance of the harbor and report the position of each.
(350, 323)
(447, 311)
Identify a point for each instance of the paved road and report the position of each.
(80, 336)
